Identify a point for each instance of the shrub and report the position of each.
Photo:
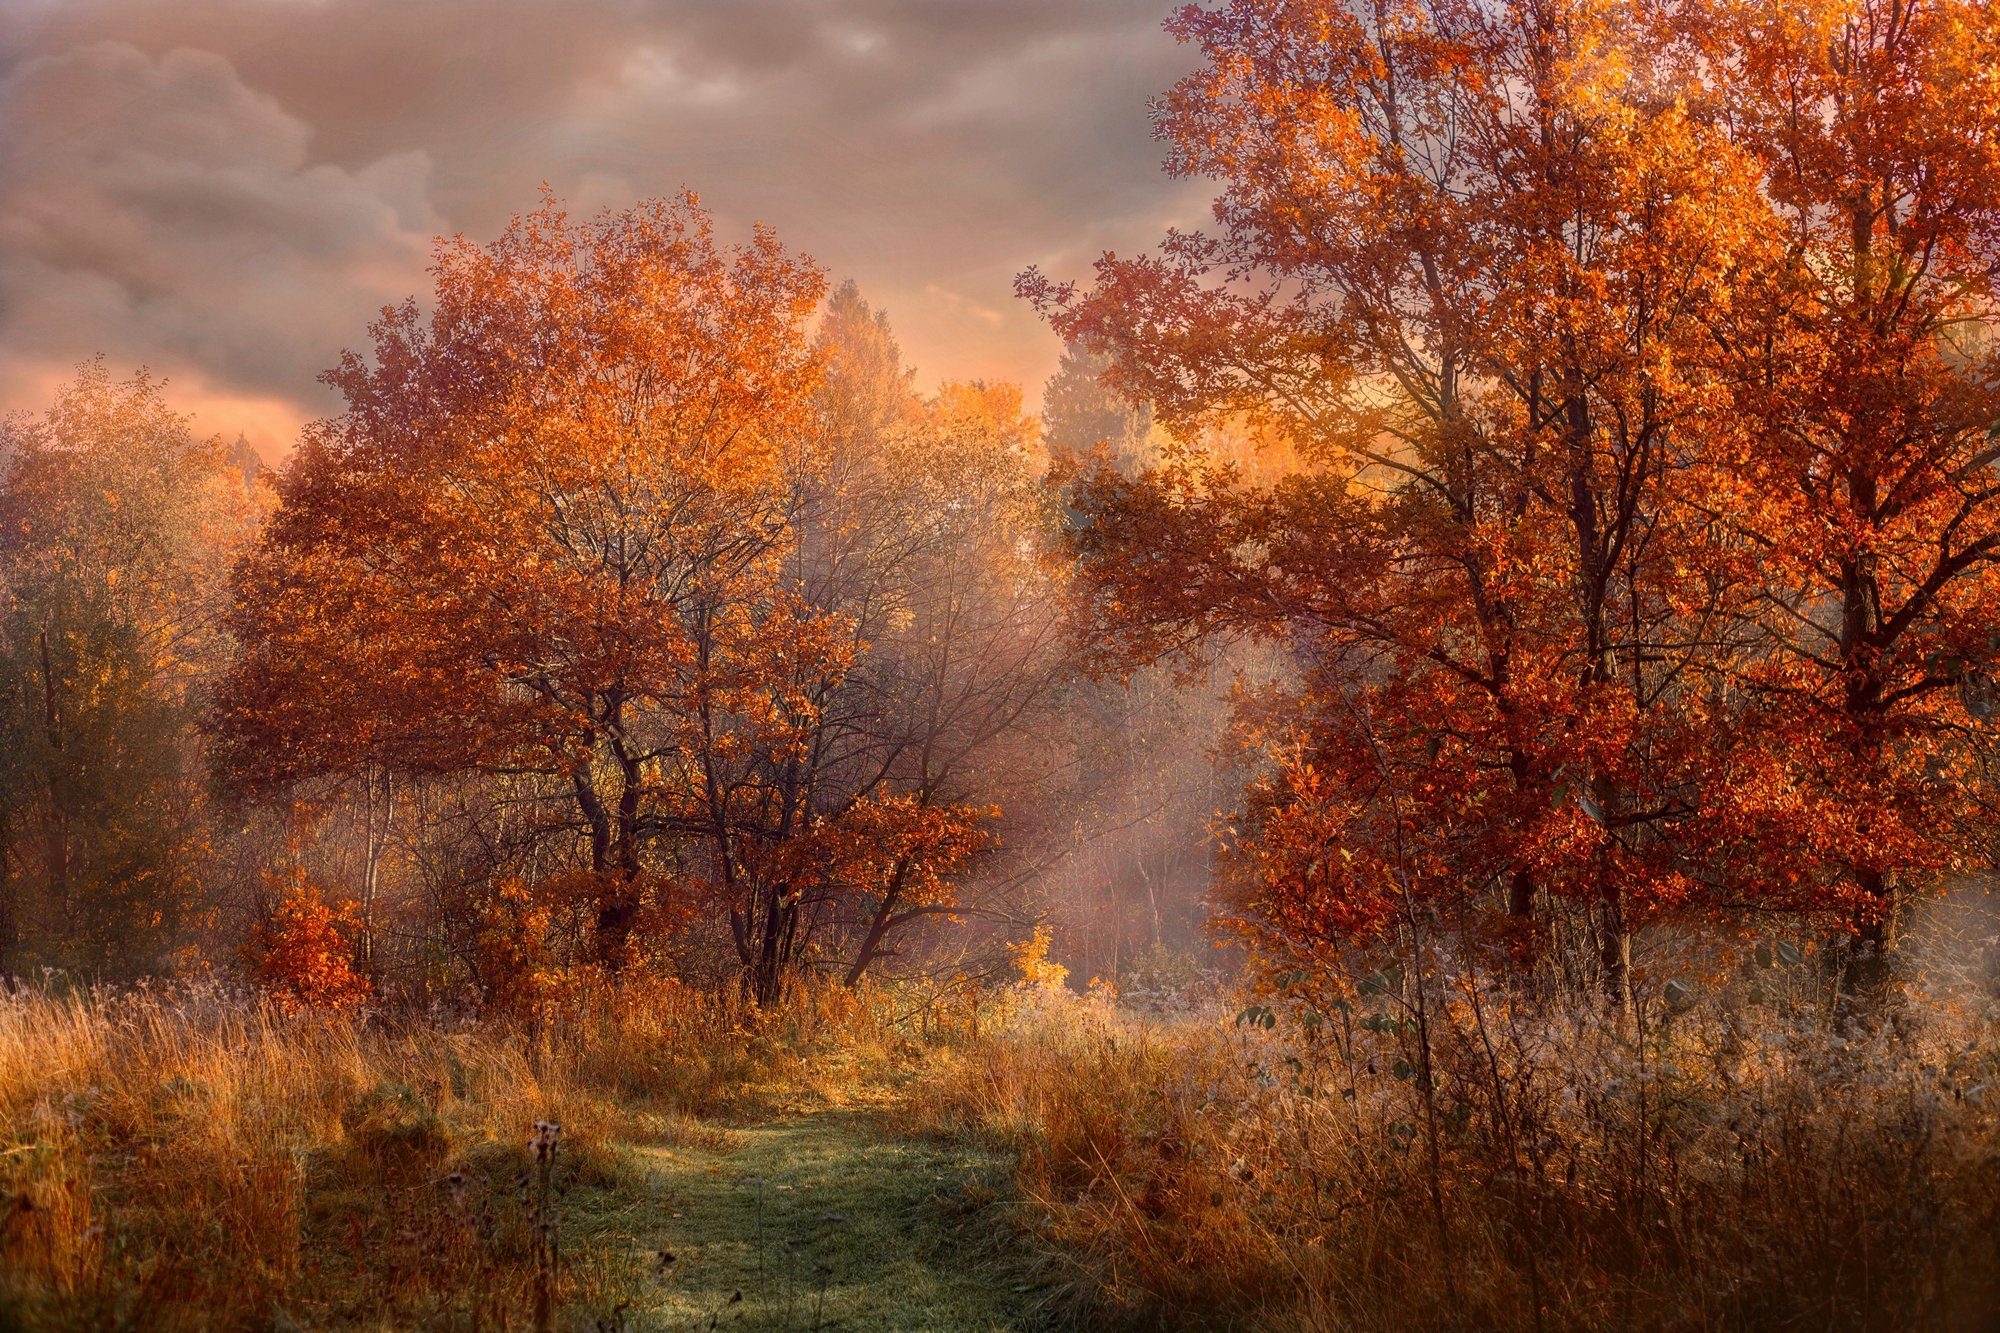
(302, 956)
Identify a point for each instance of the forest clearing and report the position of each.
(1390, 727)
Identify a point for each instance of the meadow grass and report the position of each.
(194, 1158)
(1465, 1157)
(1724, 1162)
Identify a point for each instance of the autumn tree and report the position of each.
(915, 526)
(527, 545)
(1465, 260)
(1863, 476)
(1081, 413)
(650, 600)
(117, 525)
(302, 953)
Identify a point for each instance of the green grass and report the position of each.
(822, 1219)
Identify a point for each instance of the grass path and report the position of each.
(823, 1218)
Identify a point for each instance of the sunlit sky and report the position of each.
(226, 190)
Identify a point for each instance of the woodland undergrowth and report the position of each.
(1734, 1155)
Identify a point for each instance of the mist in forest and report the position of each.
(1287, 664)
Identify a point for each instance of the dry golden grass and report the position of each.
(1729, 1165)
(187, 1158)
(192, 1159)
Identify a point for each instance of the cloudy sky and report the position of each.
(226, 190)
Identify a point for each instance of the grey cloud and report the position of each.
(930, 148)
(161, 211)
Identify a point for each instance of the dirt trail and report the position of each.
(823, 1219)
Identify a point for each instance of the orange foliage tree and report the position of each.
(541, 538)
(1862, 474)
(612, 530)
(1515, 281)
(916, 525)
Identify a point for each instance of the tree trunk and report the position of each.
(777, 932)
(1525, 936)
(617, 913)
(57, 835)
(1594, 545)
(1521, 896)
(619, 900)
(1614, 948)
(1865, 967)
(8, 890)
(1614, 932)
(374, 843)
(614, 865)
